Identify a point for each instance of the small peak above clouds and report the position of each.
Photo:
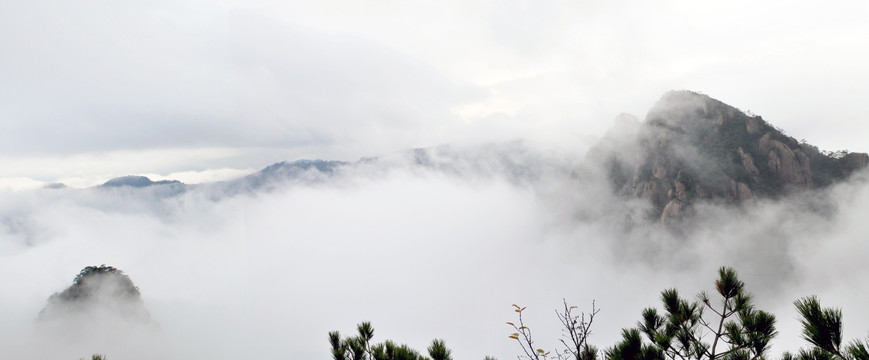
(97, 294)
(136, 181)
(55, 186)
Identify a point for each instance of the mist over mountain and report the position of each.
(266, 172)
(241, 264)
(102, 308)
(96, 291)
(692, 148)
(520, 162)
(137, 181)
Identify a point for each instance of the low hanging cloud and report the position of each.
(430, 244)
(433, 243)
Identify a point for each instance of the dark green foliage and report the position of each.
(438, 350)
(828, 166)
(821, 327)
(632, 348)
(80, 288)
(858, 350)
(759, 329)
(366, 331)
(339, 349)
(738, 331)
(388, 350)
(826, 169)
(359, 347)
(97, 357)
(813, 354)
(589, 353)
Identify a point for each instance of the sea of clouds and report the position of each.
(434, 243)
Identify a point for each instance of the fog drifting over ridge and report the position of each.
(94, 91)
(204, 91)
(436, 251)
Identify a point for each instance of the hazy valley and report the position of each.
(439, 242)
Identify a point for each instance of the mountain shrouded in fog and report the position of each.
(97, 292)
(693, 148)
(690, 148)
(269, 171)
(255, 252)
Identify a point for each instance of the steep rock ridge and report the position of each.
(694, 148)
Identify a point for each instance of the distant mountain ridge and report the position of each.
(286, 170)
(692, 148)
(516, 161)
(136, 181)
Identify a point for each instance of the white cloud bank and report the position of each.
(423, 254)
(178, 89)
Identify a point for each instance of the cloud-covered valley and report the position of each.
(428, 244)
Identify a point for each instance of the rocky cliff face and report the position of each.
(694, 148)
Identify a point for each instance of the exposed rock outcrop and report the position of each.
(748, 165)
(694, 148)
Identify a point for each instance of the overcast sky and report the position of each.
(202, 90)
(208, 90)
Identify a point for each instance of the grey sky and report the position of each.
(207, 90)
(246, 83)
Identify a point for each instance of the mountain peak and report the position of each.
(96, 292)
(693, 148)
(136, 181)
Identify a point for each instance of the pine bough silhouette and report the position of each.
(359, 347)
(729, 328)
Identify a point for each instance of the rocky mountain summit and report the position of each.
(98, 293)
(694, 148)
